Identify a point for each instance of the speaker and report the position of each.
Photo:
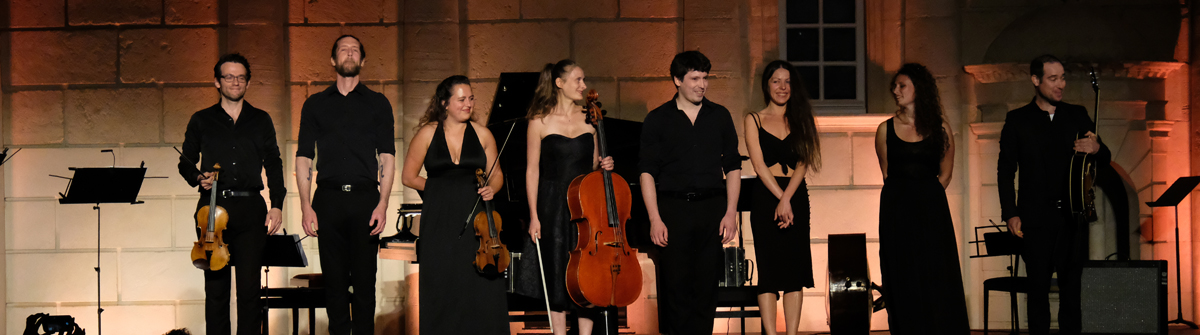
(1124, 297)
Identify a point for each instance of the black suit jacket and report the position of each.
(1041, 149)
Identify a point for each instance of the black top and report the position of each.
(349, 131)
(1042, 150)
(913, 160)
(243, 149)
(776, 150)
(684, 157)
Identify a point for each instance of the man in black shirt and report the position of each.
(1038, 140)
(690, 148)
(241, 139)
(352, 128)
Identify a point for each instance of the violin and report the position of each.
(1083, 172)
(604, 270)
(492, 256)
(210, 251)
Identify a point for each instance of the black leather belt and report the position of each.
(233, 193)
(692, 195)
(350, 187)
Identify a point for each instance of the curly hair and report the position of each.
(927, 109)
(798, 113)
(436, 112)
(545, 97)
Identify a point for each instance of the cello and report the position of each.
(603, 270)
(210, 251)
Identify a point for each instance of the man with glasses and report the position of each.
(241, 139)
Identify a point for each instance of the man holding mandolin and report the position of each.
(241, 140)
(1039, 140)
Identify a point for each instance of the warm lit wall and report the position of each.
(83, 75)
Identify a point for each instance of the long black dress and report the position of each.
(562, 159)
(454, 298)
(918, 255)
(783, 255)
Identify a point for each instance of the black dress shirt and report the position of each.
(349, 131)
(686, 157)
(243, 149)
(1041, 148)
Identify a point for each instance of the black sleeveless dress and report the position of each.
(562, 159)
(783, 255)
(454, 298)
(918, 255)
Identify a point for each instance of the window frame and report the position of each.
(820, 104)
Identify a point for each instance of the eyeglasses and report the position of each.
(229, 78)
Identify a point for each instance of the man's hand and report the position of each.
(378, 219)
(1014, 226)
(206, 180)
(729, 227)
(309, 220)
(1089, 144)
(658, 232)
(274, 219)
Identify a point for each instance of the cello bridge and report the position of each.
(613, 244)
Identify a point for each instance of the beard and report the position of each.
(348, 68)
(1047, 98)
(231, 96)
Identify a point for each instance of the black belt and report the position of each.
(349, 187)
(692, 195)
(234, 193)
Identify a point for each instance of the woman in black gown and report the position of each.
(781, 228)
(455, 298)
(560, 146)
(918, 253)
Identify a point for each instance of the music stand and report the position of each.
(1171, 198)
(103, 186)
(279, 250)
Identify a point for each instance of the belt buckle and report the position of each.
(225, 193)
(346, 188)
(691, 196)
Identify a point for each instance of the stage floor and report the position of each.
(1172, 330)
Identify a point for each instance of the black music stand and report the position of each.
(1171, 198)
(284, 251)
(103, 186)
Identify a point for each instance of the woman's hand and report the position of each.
(783, 214)
(486, 192)
(606, 163)
(535, 229)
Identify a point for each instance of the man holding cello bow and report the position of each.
(688, 145)
(241, 139)
(1038, 141)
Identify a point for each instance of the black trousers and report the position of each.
(691, 264)
(1053, 243)
(349, 255)
(245, 233)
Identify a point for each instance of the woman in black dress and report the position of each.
(560, 146)
(918, 254)
(455, 298)
(780, 212)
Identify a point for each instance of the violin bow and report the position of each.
(542, 269)
(488, 180)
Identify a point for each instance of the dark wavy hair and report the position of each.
(798, 113)
(545, 97)
(927, 109)
(688, 61)
(436, 112)
(231, 58)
